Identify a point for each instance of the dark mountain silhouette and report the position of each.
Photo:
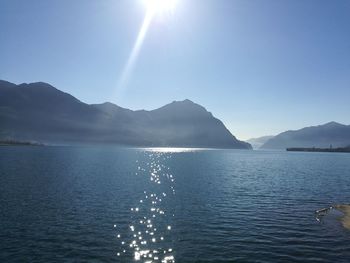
(322, 136)
(40, 112)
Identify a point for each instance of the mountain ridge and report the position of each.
(321, 136)
(38, 111)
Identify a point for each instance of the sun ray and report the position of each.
(154, 7)
(123, 81)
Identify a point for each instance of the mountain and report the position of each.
(258, 142)
(322, 136)
(40, 112)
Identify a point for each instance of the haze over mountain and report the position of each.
(40, 112)
(322, 136)
(258, 142)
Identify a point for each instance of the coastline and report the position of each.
(19, 143)
(328, 150)
(345, 219)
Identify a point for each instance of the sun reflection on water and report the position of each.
(150, 229)
(173, 149)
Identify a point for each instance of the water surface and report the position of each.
(107, 204)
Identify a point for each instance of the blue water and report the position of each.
(107, 204)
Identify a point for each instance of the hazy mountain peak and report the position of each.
(108, 104)
(185, 101)
(44, 88)
(184, 106)
(176, 101)
(259, 141)
(39, 85)
(333, 124)
(110, 108)
(322, 136)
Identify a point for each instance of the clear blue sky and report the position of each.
(261, 66)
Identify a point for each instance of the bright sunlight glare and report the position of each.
(154, 7)
(160, 6)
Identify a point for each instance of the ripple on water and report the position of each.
(74, 204)
(150, 236)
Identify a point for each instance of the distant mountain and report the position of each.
(322, 136)
(258, 142)
(40, 112)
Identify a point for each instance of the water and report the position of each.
(100, 204)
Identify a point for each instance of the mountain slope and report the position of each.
(322, 136)
(258, 142)
(40, 112)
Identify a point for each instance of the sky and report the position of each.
(261, 66)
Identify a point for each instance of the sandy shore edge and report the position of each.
(345, 219)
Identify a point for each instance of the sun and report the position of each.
(160, 6)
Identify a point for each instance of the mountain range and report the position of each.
(40, 112)
(323, 136)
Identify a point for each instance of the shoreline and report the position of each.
(19, 143)
(327, 150)
(345, 219)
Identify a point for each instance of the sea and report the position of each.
(113, 204)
